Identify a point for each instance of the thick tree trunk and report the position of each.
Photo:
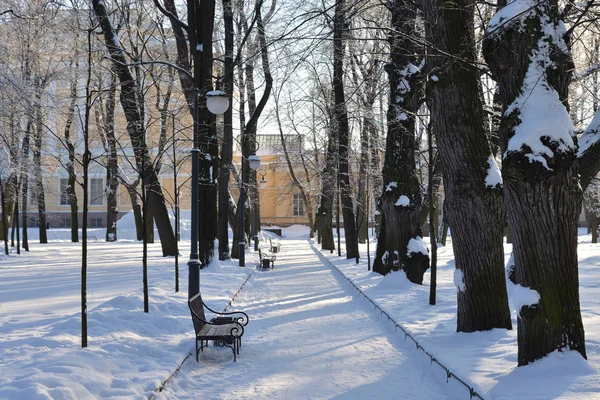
(4, 213)
(325, 209)
(38, 176)
(135, 129)
(473, 207)
(362, 197)
(72, 177)
(341, 115)
(541, 186)
(24, 181)
(227, 144)
(112, 166)
(400, 202)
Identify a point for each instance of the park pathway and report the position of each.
(310, 336)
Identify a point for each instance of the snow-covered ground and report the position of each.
(488, 360)
(130, 353)
(311, 335)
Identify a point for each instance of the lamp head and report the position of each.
(254, 162)
(217, 101)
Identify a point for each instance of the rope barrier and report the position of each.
(449, 374)
(161, 387)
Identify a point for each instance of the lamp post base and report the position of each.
(242, 253)
(193, 277)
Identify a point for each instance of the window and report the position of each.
(64, 223)
(298, 205)
(64, 195)
(96, 192)
(33, 222)
(96, 223)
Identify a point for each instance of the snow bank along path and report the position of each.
(310, 336)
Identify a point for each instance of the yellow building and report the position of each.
(281, 202)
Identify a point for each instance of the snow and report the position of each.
(403, 201)
(405, 74)
(311, 335)
(520, 296)
(216, 93)
(459, 280)
(434, 78)
(514, 11)
(488, 360)
(540, 111)
(130, 352)
(390, 186)
(402, 116)
(416, 245)
(591, 135)
(493, 178)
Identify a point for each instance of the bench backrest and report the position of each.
(197, 308)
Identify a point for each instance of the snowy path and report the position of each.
(310, 336)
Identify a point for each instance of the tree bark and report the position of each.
(227, 144)
(400, 201)
(341, 115)
(72, 176)
(24, 181)
(107, 114)
(38, 176)
(4, 213)
(328, 191)
(542, 191)
(473, 209)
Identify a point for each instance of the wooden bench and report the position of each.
(267, 259)
(225, 330)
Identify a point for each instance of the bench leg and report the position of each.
(196, 350)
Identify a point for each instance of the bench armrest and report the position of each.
(242, 319)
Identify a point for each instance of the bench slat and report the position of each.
(210, 331)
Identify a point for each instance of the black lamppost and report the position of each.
(262, 174)
(253, 163)
(217, 103)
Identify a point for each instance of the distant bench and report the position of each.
(275, 246)
(267, 258)
(225, 330)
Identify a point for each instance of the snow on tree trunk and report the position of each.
(525, 48)
(473, 201)
(401, 200)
